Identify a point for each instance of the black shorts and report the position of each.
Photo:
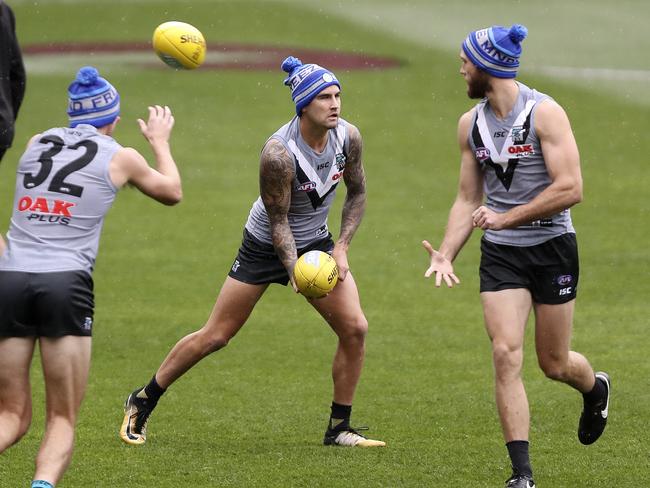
(549, 270)
(257, 263)
(46, 304)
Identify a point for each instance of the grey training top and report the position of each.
(313, 188)
(63, 191)
(510, 155)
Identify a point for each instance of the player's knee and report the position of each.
(19, 420)
(213, 343)
(24, 424)
(356, 329)
(506, 358)
(553, 368)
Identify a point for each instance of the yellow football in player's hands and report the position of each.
(315, 274)
(179, 45)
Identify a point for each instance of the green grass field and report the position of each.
(253, 414)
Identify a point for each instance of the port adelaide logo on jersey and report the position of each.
(340, 161)
(519, 134)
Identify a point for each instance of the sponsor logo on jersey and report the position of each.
(564, 280)
(482, 153)
(322, 230)
(323, 165)
(500, 133)
(44, 210)
(521, 150)
(309, 186)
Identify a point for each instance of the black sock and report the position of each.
(597, 393)
(153, 390)
(340, 417)
(518, 451)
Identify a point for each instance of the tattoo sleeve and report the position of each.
(355, 182)
(277, 171)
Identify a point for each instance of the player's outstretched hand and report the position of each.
(159, 126)
(441, 266)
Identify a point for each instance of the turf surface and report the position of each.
(253, 414)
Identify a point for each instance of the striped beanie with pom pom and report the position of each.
(92, 100)
(496, 49)
(306, 81)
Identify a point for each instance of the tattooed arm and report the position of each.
(277, 171)
(355, 200)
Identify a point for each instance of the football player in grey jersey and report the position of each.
(66, 181)
(517, 149)
(300, 167)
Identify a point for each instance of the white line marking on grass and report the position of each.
(604, 74)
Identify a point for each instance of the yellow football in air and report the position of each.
(179, 45)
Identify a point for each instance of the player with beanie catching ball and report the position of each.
(300, 167)
(67, 180)
(518, 148)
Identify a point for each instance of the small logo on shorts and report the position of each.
(88, 323)
(564, 280)
(235, 266)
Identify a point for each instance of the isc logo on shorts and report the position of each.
(88, 323)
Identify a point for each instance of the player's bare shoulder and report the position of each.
(550, 117)
(125, 162)
(464, 126)
(466, 119)
(355, 143)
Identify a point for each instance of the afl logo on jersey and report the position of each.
(482, 153)
(309, 186)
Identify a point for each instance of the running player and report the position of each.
(517, 146)
(66, 182)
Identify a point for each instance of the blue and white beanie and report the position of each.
(306, 81)
(496, 49)
(92, 100)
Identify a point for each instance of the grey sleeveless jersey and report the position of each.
(510, 155)
(63, 191)
(313, 188)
